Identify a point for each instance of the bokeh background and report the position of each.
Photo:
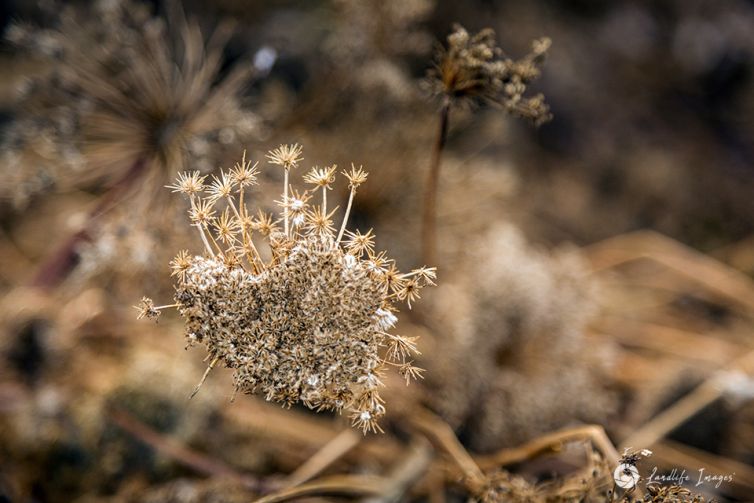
(596, 269)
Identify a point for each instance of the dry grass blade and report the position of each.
(706, 393)
(301, 430)
(717, 277)
(706, 349)
(439, 432)
(180, 453)
(405, 473)
(327, 455)
(554, 442)
(342, 485)
(677, 454)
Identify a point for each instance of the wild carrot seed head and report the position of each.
(311, 324)
(474, 68)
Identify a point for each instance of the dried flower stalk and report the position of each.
(472, 69)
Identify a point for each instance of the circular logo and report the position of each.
(626, 476)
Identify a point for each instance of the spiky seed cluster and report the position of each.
(309, 324)
(473, 67)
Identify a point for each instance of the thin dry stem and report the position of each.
(194, 460)
(285, 200)
(204, 377)
(333, 450)
(63, 260)
(345, 485)
(256, 258)
(345, 216)
(429, 215)
(441, 433)
(553, 442)
(406, 472)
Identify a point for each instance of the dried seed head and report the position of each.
(221, 187)
(180, 264)
(123, 85)
(287, 156)
(296, 204)
(244, 174)
(359, 244)
(263, 223)
(409, 292)
(409, 372)
(226, 228)
(473, 67)
(317, 222)
(147, 309)
(188, 183)
(356, 176)
(203, 212)
(311, 325)
(321, 177)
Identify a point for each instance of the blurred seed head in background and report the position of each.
(119, 88)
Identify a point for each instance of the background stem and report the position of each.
(65, 258)
(429, 214)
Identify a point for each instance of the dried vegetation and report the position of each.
(544, 361)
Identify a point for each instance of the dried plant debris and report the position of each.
(187, 491)
(474, 68)
(592, 483)
(308, 324)
(511, 360)
(120, 89)
(505, 486)
(627, 477)
(657, 493)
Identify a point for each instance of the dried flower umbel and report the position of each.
(127, 95)
(126, 87)
(308, 324)
(472, 68)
